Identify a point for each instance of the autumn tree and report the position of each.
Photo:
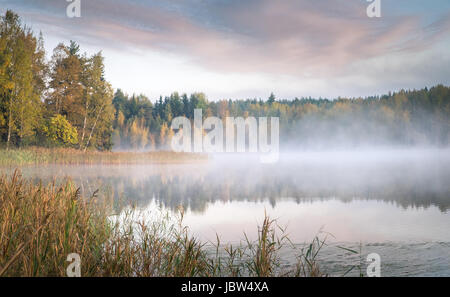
(22, 78)
(80, 92)
(60, 132)
(66, 87)
(98, 112)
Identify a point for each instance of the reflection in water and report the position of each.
(385, 199)
(407, 180)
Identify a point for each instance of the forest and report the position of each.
(65, 101)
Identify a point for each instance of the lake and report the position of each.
(391, 202)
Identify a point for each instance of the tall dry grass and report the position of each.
(40, 225)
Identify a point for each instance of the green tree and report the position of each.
(271, 99)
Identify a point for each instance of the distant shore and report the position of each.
(41, 156)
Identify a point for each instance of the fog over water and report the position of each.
(394, 201)
(359, 184)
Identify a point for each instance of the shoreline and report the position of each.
(47, 156)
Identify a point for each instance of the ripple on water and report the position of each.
(397, 259)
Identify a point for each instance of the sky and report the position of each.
(237, 49)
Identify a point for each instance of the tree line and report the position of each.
(67, 102)
(404, 118)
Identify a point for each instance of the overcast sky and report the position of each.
(249, 48)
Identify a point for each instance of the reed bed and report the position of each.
(40, 225)
(65, 156)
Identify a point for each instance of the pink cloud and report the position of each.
(291, 37)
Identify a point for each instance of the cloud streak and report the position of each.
(297, 38)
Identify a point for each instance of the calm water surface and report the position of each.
(394, 202)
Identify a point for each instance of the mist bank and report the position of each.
(417, 118)
(406, 177)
